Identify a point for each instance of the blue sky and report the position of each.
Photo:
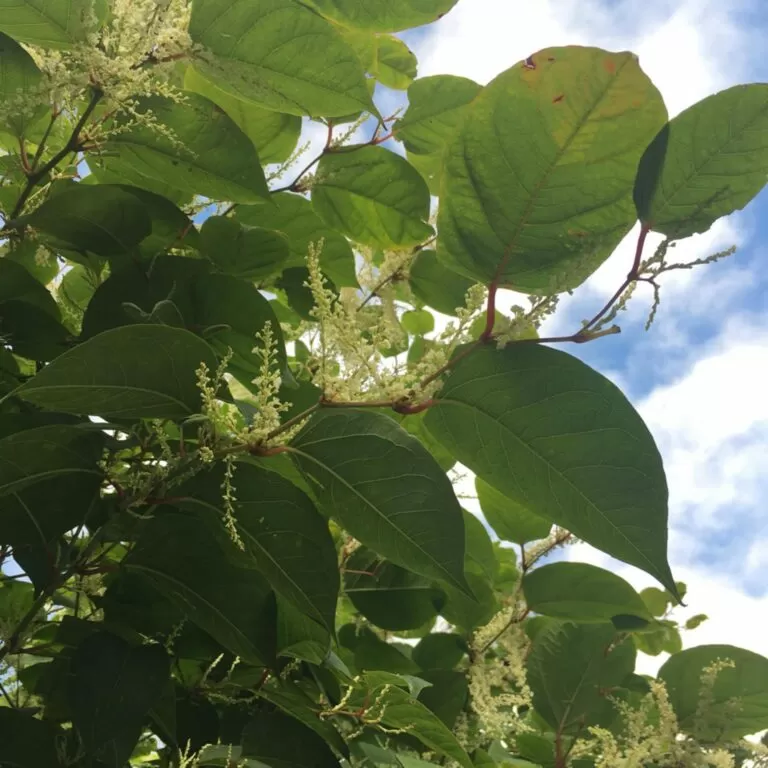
(700, 376)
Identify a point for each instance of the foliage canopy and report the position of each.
(232, 405)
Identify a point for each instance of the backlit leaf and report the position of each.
(50, 25)
(19, 78)
(436, 286)
(266, 52)
(205, 151)
(373, 196)
(390, 16)
(707, 162)
(537, 186)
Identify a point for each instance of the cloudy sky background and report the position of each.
(699, 377)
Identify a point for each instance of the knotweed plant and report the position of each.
(261, 338)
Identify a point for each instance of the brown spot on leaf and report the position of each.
(558, 99)
(529, 63)
(609, 65)
(551, 58)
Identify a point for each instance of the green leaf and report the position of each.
(396, 65)
(294, 216)
(275, 135)
(205, 151)
(656, 600)
(439, 650)
(390, 16)
(227, 311)
(266, 51)
(581, 592)
(111, 375)
(736, 704)
(294, 702)
(192, 563)
(386, 490)
(32, 332)
(479, 557)
(19, 82)
(39, 262)
(447, 695)
(49, 480)
(280, 741)
(17, 285)
(707, 162)
(112, 687)
(300, 637)
(547, 430)
(27, 742)
(509, 519)
(696, 621)
(36, 455)
(570, 670)
(387, 595)
(372, 653)
(536, 191)
(400, 710)
(413, 423)
(103, 219)
(436, 108)
(252, 253)
(286, 537)
(436, 286)
(50, 25)
(470, 612)
(373, 196)
(418, 322)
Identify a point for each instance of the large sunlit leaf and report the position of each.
(196, 146)
(510, 519)
(282, 531)
(537, 186)
(187, 560)
(274, 134)
(111, 375)
(736, 701)
(385, 488)
(373, 196)
(707, 162)
(570, 670)
(555, 435)
(581, 592)
(294, 216)
(266, 52)
(58, 24)
(396, 65)
(390, 16)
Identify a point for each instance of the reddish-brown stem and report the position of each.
(24, 158)
(490, 316)
(631, 277)
(408, 408)
(357, 573)
(361, 404)
(381, 139)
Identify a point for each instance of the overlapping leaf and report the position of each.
(50, 25)
(385, 489)
(391, 16)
